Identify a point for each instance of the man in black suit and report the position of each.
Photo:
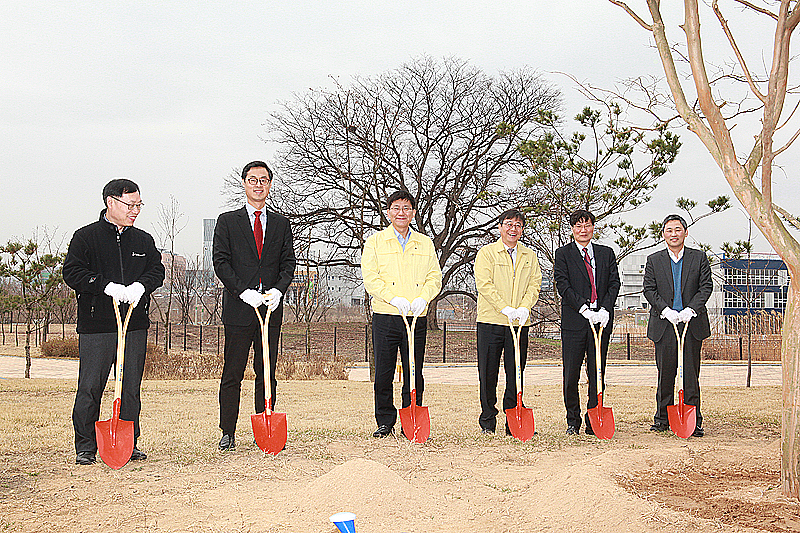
(254, 258)
(587, 280)
(688, 270)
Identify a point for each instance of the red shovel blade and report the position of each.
(520, 420)
(602, 419)
(682, 417)
(114, 439)
(270, 431)
(415, 420)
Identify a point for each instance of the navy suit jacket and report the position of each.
(575, 289)
(696, 287)
(238, 266)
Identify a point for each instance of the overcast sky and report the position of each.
(174, 95)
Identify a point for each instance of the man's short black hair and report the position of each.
(117, 187)
(256, 164)
(512, 214)
(581, 215)
(670, 218)
(401, 195)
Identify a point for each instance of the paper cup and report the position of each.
(345, 522)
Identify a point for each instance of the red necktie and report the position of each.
(588, 263)
(258, 233)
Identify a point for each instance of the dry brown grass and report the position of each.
(193, 365)
(60, 348)
(179, 418)
(462, 480)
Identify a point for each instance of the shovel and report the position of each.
(269, 428)
(114, 436)
(601, 418)
(415, 419)
(682, 417)
(519, 418)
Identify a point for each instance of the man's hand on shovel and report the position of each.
(417, 306)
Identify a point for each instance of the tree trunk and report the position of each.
(368, 340)
(28, 349)
(790, 424)
(433, 324)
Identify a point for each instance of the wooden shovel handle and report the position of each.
(681, 338)
(412, 371)
(122, 329)
(597, 334)
(264, 323)
(515, 334)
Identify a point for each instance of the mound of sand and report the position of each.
(361, 486)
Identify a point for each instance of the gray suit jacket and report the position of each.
(696, 287)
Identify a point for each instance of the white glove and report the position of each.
(418, 306)
(588, 314)
(252, 297)
(522, 314)
(671, 315)
(118, 292)
(402, 305)
(687, 314)
(603, 315)
(135, 291)
(272, 298)
(510, 312)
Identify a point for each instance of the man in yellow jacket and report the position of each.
(402, 275)
(508, 279)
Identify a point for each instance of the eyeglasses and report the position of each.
(131, 207)
(587, 225)
(258, 181)
(404, 209)
(512, 225)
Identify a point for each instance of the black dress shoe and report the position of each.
(85, 458)
(698, 432)
(227, 442)
(573, 430)
(138, 455)
(383, 431)
(487, 431)
(659, 426)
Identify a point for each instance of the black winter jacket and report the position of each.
(98, 255)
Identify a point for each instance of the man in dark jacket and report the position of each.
(677, 284)
(111, 260)
(254, 258)
(587, 280)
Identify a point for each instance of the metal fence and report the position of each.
(453, 343)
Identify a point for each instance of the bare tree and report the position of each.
(444, 131)
(769, 89)
(171, 221)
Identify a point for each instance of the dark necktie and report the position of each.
(258, 233)
(588, 263)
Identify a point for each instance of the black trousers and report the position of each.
(667, 364)
(97, 352)
(577, 345)
(238, 340)
(493, 341)
(389, 336)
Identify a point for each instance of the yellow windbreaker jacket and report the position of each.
(500, 284)
(388, 271)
